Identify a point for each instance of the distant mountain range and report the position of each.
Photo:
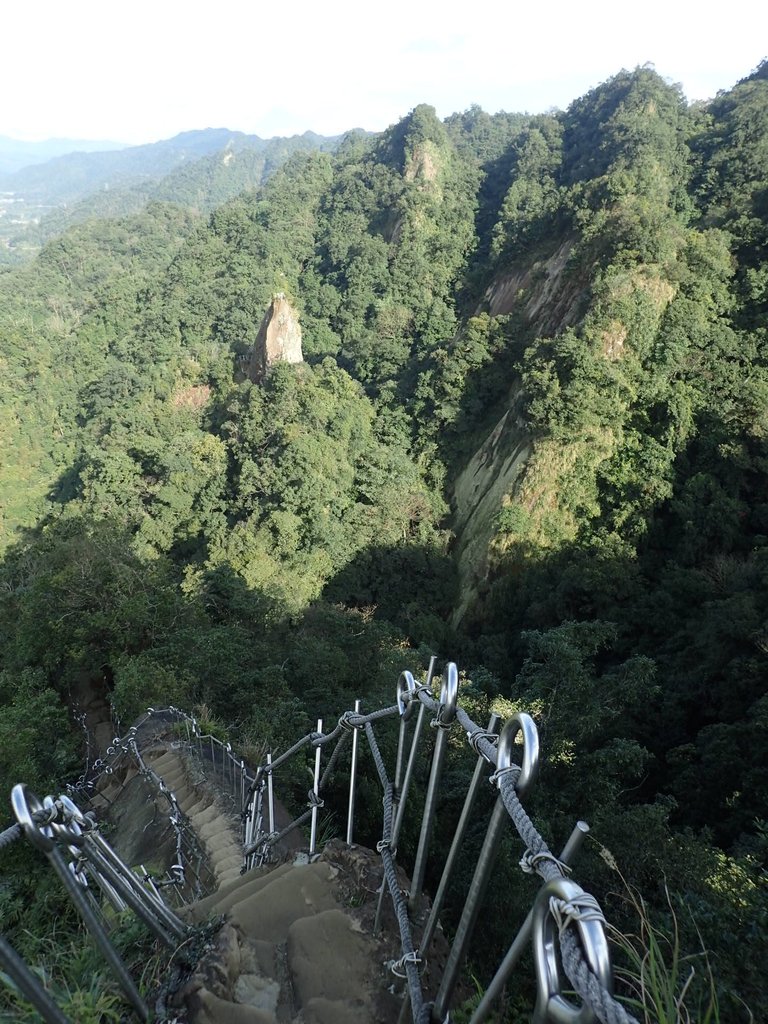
(197, 169)
(69, 177)
(16, 154)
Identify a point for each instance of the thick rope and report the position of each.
(10, 835)
(587, 984)
(420, 1010)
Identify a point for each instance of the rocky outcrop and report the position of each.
(278, 340)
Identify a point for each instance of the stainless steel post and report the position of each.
(29, 985)
(478, 777)
(445, 717)
(477, 888)
(100, 937)
(271, 794)
(352, 779)
(315, 808)
(520, 943)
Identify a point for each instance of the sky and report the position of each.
(145, 70)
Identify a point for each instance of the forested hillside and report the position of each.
(530, 434)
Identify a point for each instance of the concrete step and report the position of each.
(268, 913)
(233, 892)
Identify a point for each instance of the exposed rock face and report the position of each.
(278, 340)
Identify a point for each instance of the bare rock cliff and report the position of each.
(278, 340)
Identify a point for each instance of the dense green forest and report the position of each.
(530, 435)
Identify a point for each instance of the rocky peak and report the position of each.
(278, 340)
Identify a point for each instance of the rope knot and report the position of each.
(530, 861)
(398, 966)
(352, 720)
(579, 908)
(314, 799)
(498, 775)
(475, 738)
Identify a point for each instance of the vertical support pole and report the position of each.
(271, 794)
(408, 774)
(242, 785)
(412, 757)
(458, 838)
(100, 937)
(521, 940)
(445, 716)
(477, 888)
(352, 780)
(400, 809)
(29, 985)
(315, 808)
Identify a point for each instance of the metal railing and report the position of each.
(565, 927)
(81, 858)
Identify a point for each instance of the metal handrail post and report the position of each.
(466, 812)
(477, 889)
(315, 789)
(29, 985)
(521, 940)
(352, 780)
(409, 770)
(270, 795)
(100, 937)
(445, 716)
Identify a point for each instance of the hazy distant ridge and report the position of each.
(69, 177)
(16, 154)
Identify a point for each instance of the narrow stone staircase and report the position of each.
(214, 823)
(296, 942)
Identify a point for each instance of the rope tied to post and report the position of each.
(529, 862)
(476, 738)
(314, 800)
(398, 966)
(498, 775)
(579, 908)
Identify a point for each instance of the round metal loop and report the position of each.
(406, 689)
(448, 693)
(65, 829)
(521, 722)
(80, 876)
(551, 1006)
(25, 806)
(71, 811)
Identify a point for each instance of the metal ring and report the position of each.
(551, 1006)
(521, 722)
(72, 811)
(448, 693)
(406, 690)
(25, 806)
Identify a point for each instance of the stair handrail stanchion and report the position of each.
(315, 789)
(442, 721)
(271, 793)
(458, 838)
(29, 985)
(352, 780)
(523, 937)
(520, 722)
